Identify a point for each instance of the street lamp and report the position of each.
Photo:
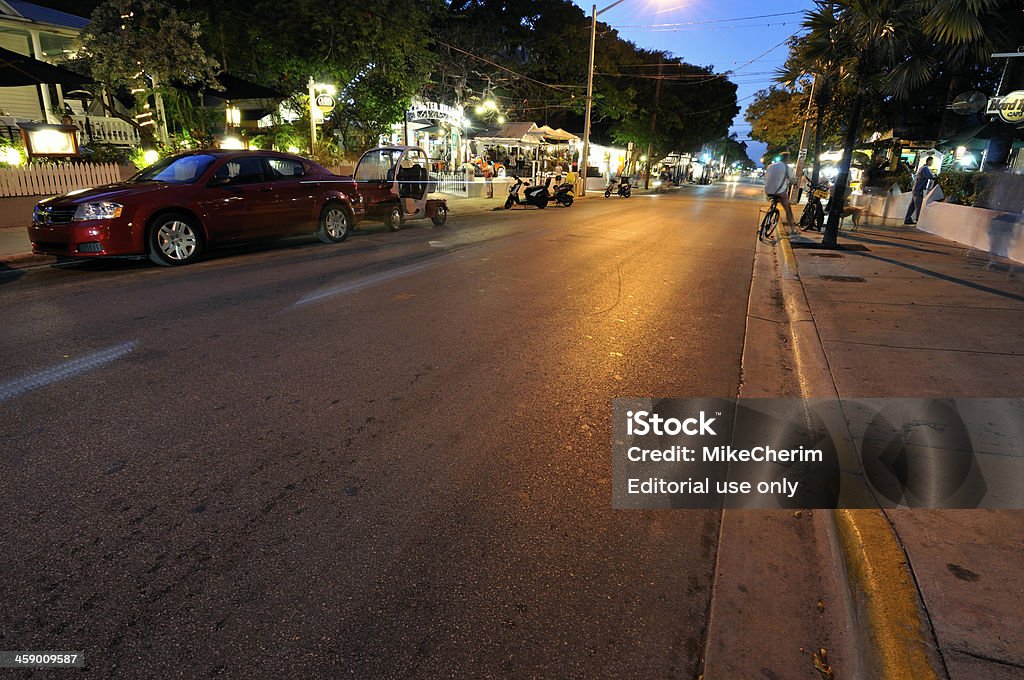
(590, 92)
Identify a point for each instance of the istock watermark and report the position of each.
(798, 453)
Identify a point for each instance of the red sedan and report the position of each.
(177, 208)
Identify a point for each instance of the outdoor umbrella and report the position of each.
(235, 89)
(19, 69)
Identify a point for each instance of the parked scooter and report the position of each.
(813, 216)
(619, 185)
(563, 194)
(537, 195)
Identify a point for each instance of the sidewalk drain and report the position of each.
(844, 279)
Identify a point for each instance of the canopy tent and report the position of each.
(557, 136)
(18, 70)
(512, 134)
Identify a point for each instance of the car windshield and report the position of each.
(177, 170)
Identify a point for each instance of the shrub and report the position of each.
(991, 190)
(958, 186)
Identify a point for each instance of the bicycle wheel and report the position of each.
(807, 220)
(768, 224)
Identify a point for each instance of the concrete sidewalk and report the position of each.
(914, 315)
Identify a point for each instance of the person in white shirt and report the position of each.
(778, 177)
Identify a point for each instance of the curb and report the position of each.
(884, 594)
(23, 260)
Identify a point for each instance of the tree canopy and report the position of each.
(530, 57)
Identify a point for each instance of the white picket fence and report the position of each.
(45, 179)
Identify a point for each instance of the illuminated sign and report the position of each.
(434, 111)
(1011, 107)
(57, 141)
(325, 103)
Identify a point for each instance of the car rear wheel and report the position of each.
(174, 240)
(394, 219)
(333, 224)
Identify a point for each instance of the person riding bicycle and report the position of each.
(778, 177)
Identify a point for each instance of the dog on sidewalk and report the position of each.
(853, 212)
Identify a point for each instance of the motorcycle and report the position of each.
(619, 185)
(662, 184)
(813, 216)
(563, 194)
(537, 195)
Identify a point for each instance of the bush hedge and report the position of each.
(991, 190)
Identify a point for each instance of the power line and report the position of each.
(508, 70)
(720, 28)
(713, 21)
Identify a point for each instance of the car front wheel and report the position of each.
(174, 240)
(333, 224)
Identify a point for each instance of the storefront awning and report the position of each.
(19, 69)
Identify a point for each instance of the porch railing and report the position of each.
(106, 130)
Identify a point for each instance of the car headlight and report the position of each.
(98, 211)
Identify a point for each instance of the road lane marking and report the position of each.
(64, 370)
(359, 284)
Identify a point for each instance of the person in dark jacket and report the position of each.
(921, 182)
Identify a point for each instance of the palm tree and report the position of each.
(893, 47)
(856, 42)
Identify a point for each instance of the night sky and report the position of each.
(708, 33)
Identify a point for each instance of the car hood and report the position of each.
(108, 192)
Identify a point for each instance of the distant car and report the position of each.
(179, 207)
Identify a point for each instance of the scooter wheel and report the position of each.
(508, 203)
(607, 194)
(567, 201)
(626, 193)
(542, 205)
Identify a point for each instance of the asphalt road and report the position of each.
(384, 458)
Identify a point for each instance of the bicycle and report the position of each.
(813, 216)
(771, 219)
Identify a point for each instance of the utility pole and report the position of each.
(654, 120)
(590, 101)
(804, 139)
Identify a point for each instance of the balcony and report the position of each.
(106, 130)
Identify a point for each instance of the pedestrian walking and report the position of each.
(777, 180)
(921, 183)
(488, 171)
